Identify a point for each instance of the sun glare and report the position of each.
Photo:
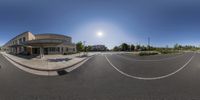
(99, 34)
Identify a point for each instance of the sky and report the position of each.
(166, 22)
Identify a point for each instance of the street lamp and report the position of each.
(84, 47)
(149, 43)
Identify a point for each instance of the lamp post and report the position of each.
(149, 43)
(84, 47)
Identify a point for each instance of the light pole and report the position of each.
(149, 43)
(84, 47)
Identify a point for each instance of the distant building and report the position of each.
(98, 48)
(47, 43)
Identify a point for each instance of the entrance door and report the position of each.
(36, 50)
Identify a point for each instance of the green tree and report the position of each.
(124, 47)
(132, 47)
(138, 47)
(144, 48)
(89, 48)
(116, 48)
(177, 46)
(79, 46)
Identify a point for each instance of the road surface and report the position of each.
(97, 79)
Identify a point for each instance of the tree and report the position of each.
(143, 48)
(89, 48)
(132, 47)
(116, 48)
(124, 47)
(138, 47)
(177, 46)
(79, 46)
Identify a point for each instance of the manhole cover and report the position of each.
(62, 72)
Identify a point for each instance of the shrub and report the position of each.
(168, 51)
(147, 53)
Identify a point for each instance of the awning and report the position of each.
(43, 42)
(16, 45)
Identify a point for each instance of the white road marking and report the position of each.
(168, 58)
(152, 78)
(76, 66)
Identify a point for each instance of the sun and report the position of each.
(99, 34)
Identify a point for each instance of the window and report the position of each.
(58, 49)
(20, 40)
(24, 39)
(54, 49)
(66, 49)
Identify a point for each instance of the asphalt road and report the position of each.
(98, 80)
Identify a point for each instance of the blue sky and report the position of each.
(166, 22)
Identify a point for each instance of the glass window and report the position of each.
(20, 40)
(24, 39)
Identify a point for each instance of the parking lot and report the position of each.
(110, 76)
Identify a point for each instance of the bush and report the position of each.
(147, 53)
(168, 51)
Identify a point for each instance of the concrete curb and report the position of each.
(38, 69)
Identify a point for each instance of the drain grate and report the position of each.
(62, 72)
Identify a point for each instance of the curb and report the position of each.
(45, 69)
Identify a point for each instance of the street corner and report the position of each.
(48, 66)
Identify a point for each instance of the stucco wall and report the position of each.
(53, 36)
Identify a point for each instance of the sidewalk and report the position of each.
(49, 63)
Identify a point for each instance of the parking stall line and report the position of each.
(152, 78)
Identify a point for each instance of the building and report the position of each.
(30, 44)
(98, 48)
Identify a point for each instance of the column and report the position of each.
(41, 52)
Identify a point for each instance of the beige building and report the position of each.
(28, 43)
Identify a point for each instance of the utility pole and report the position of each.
(84, 47)
(149, 43)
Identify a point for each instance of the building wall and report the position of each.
(67, 46)
(26, 36)
(98, 48)
(31, 36)
(53, 36)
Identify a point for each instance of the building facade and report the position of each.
(98, 48)
(47, 43)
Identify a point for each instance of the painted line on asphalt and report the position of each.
(168, 58)
(78, 65)
(152, 78)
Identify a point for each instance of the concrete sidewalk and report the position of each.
(49, 63)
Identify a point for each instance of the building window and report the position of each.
(54, 49)
(20, 40)
(58, 49)
(66, 49)
(24, 39)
